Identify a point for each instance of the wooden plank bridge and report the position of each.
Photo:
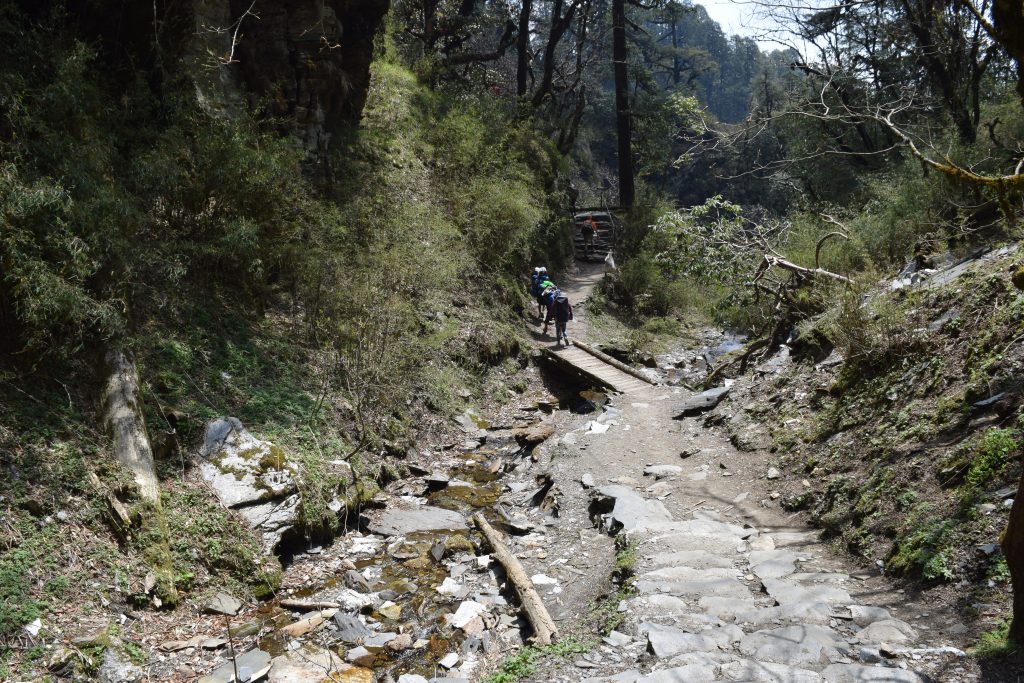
(577, 361)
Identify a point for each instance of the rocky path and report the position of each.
(726, 587)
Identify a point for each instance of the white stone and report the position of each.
(543, 580)
(449, 586)
(466, 612)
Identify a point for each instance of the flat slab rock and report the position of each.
(403, 521)
(251, 666)
(803, 644)
(766, 672)
(667, 641)
(628, 510)
(697, 559)
(703, 401)
(855, 673)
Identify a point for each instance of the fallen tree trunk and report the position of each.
(124, 423)
(544, 629)
(123, 420)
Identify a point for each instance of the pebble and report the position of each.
(390, 610)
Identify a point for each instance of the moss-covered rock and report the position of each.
(1018, 278)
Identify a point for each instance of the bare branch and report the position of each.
(821, 242)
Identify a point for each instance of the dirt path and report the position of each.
(727, 587)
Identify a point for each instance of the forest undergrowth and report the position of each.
(344, 321)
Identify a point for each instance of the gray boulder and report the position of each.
(253, 476)
(223, 603)
(350, 629)
(704, 401)
(887, 631)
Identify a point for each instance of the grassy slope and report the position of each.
(899, 460)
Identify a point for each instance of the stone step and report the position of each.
(667, 641)
(855, 673)
(710, 543)
(767, 672)
(786, 593)
(698, 559)
(704, 587)
(804, 645)
(817, 613)
(681, 573)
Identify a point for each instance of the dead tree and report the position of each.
(785, 308)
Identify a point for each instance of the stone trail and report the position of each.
(717, 601)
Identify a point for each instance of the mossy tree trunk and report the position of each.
(1013, 549)
(125, 424)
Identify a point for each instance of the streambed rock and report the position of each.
(535, 433)
(251, 666)
(313, 663)
(403, 521)
(252, 476)
(702, 402)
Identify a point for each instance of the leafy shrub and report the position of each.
(993, 454)
(872, 333)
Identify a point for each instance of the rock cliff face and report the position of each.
(309, 60)
(302, 61)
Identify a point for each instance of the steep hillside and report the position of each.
(897, 427)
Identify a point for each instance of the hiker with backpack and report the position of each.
(561, 312)
(588, 230)
(548, 291)
(539, 282)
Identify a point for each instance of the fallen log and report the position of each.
(122, 417)
(125, 424)
(309, 605)
(544, 629)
